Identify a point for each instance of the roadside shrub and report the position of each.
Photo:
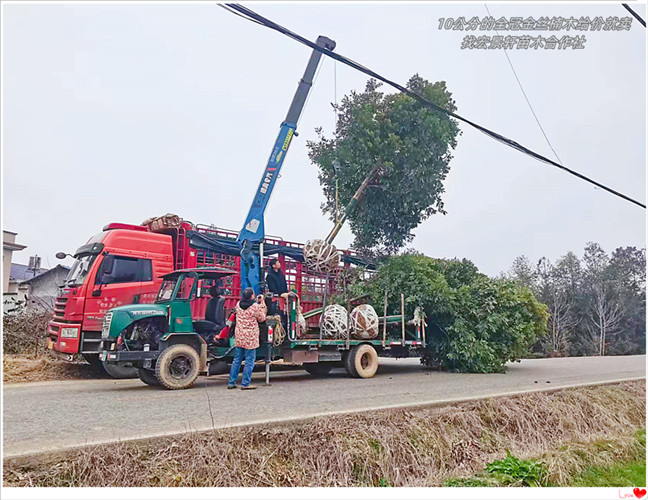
(475, 323)
(492, 322)
(515, 472)
(25, 332)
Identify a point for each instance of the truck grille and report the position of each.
(105, 328)
(59, 307)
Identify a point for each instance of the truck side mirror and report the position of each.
(106, 269)
(108, 265)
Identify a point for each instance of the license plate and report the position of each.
(50, 344)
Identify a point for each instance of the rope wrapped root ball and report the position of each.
(334, 322)
(302, 326)
(364, 322)
(320, 256)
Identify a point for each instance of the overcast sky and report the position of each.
(121, 112)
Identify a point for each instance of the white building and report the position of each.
(11, 296)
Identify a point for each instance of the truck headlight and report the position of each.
(105, 327)
(70, 333)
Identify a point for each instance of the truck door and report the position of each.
(119, 281)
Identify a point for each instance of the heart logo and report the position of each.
(639, 493)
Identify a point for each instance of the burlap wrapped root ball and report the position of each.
(334, 322)
(364, 322)
(320, 256)
(301, 327)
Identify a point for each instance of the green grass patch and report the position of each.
(628, 474)
(512, 471)
(633, 474)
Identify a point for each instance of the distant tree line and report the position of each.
(597, 304)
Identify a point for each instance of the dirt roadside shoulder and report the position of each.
(44, 367)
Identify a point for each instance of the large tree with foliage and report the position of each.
(475, 323)
(411, 143)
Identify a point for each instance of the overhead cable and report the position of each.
(254, 17)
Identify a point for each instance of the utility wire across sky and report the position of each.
(252, 16)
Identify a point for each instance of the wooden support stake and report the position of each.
(348, 332)
(423, 326)
(348, 311)
(319, 343)
(403, 316)
(384, 339)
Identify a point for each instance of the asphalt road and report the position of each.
(47, 416)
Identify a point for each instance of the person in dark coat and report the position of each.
(276, 281)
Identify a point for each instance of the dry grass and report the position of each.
(25, 357)
(24, 333)
(419, 447)
(44, 367)
(574, 457)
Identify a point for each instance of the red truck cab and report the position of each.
(118, 266)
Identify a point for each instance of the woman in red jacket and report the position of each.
(250, 311)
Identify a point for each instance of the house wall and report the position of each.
(13, 302)
(6, 259)
(9, 246)
(44, 289)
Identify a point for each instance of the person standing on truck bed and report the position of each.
(276, 281)
(250, 311)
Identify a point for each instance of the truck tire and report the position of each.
(148, 377)
(120, 371)
(177, 367)
(361, 361)
(218, 368)
(349, 365)
(94, 362)
(321, 369)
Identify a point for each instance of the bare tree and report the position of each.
(605, 317)
(561, 322)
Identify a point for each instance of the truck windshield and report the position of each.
(186, 289)
(79, 270)
(166, 290)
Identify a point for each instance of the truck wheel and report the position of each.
(120, 371)
(218, 368)
(177, 367)
(318, 369)
(361, 361)
(148, 377)
(94, 362)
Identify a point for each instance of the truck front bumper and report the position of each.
(56, 342)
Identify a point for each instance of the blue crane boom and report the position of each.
(253, 232)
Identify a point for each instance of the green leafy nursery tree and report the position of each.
(475, 323)
(410, 142)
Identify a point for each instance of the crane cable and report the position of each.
(257, 18)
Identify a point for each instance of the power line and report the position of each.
(636, 16)
(253, 16)
(526, 97)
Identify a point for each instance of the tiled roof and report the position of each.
(61, 267)
(20, 272)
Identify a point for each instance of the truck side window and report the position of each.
(144, 270)
(125, 270)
